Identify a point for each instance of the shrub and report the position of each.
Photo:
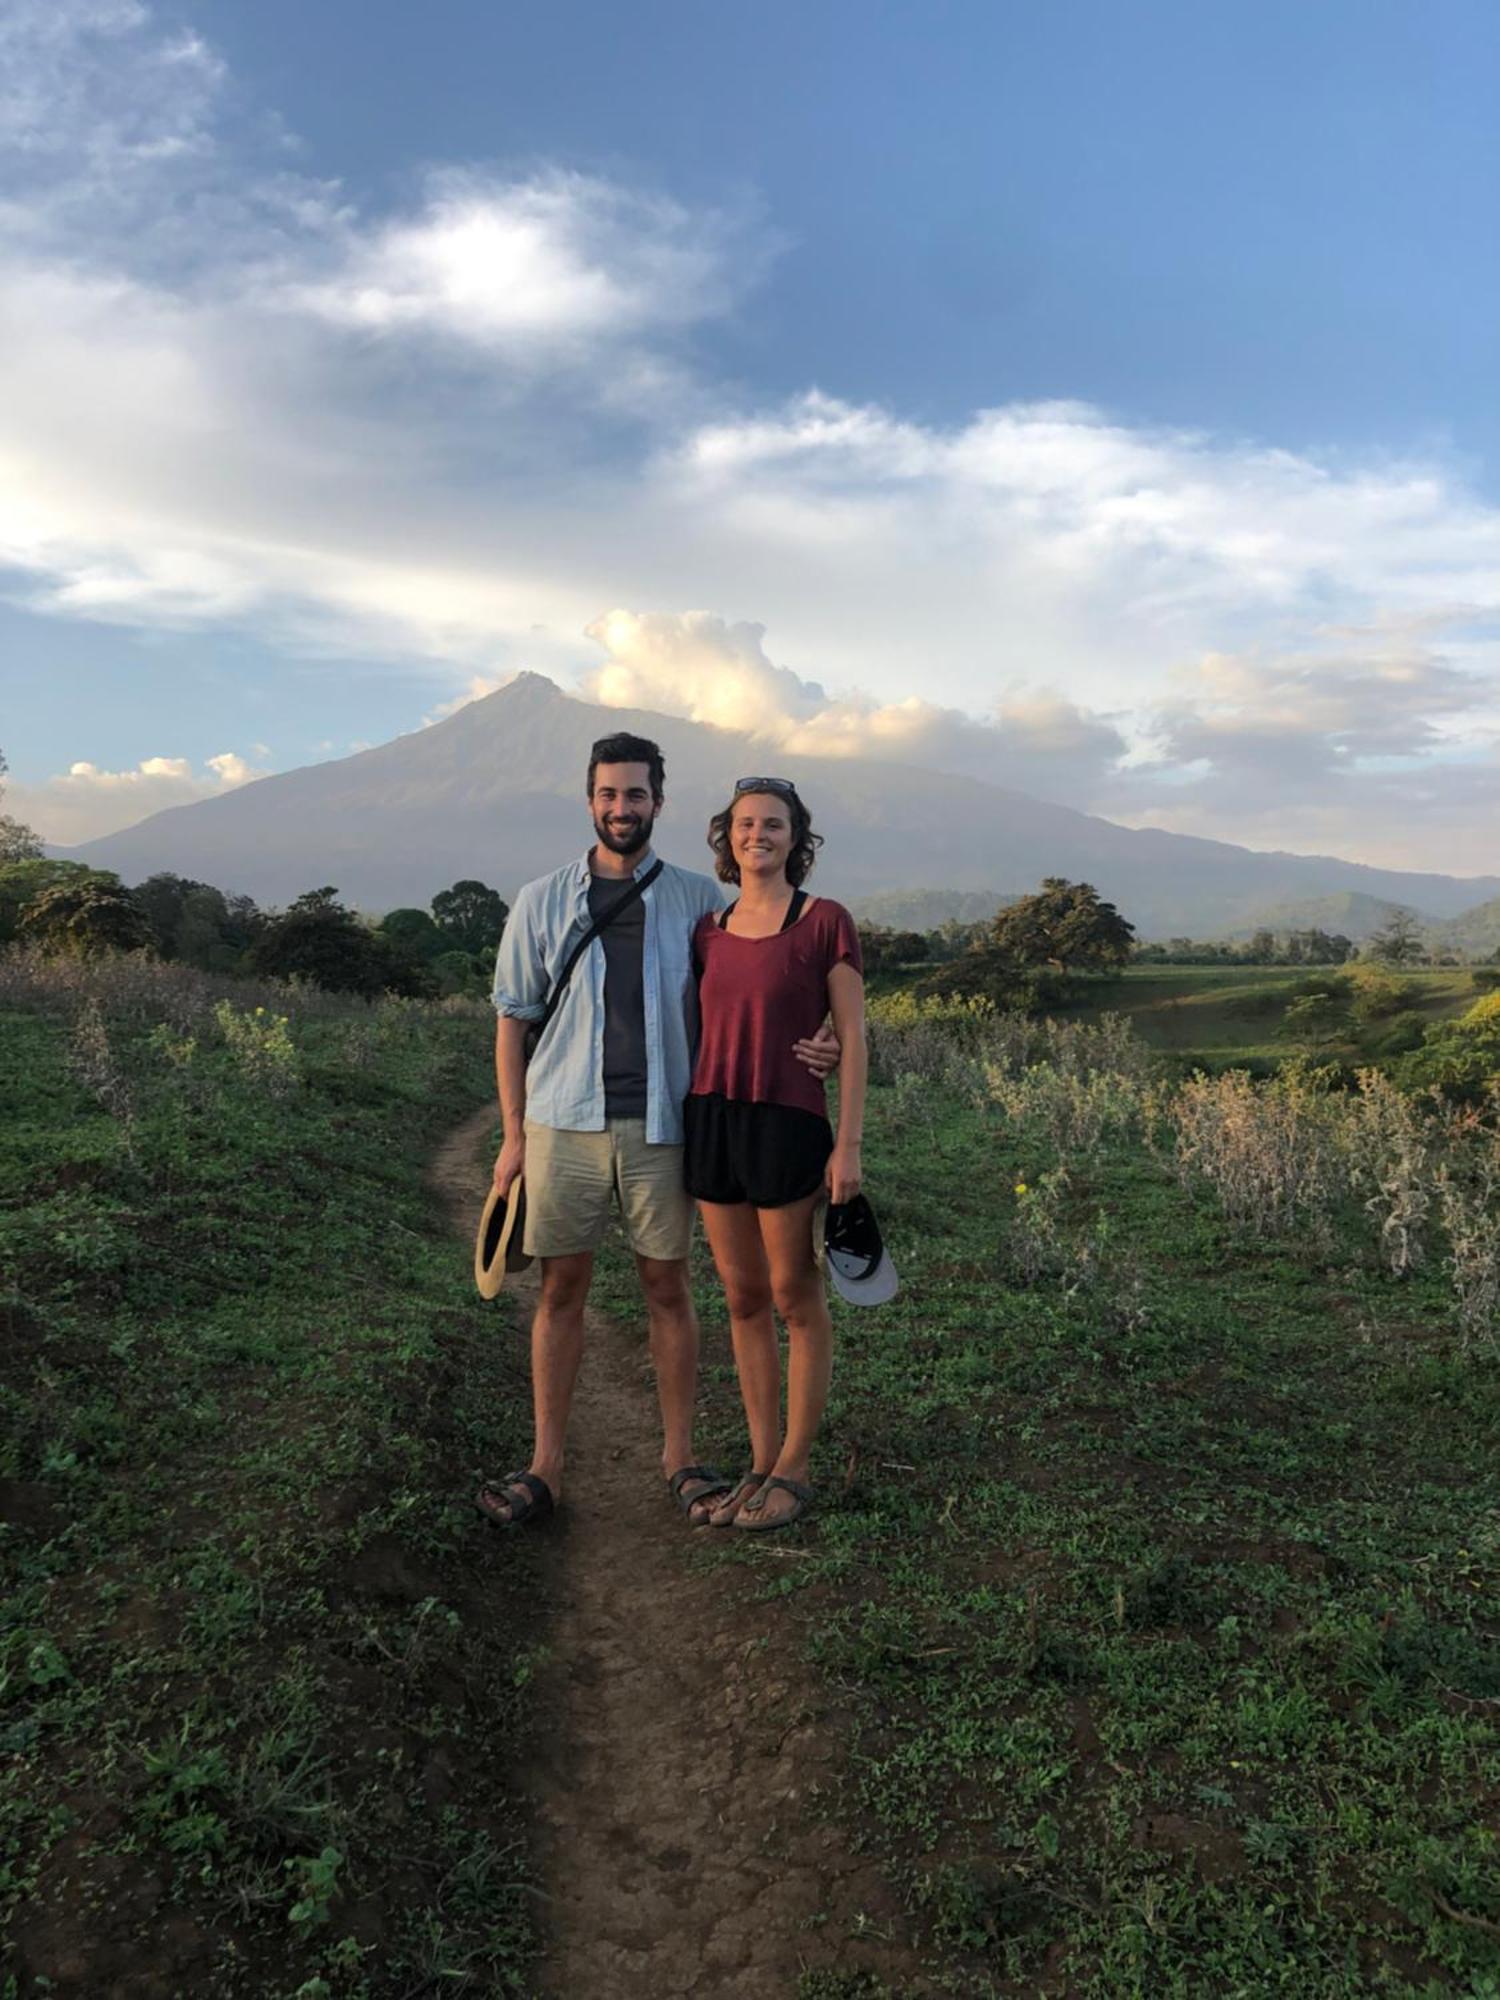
(261, 1045)
(1387, 1142)
(1402, 1033)
(1268, 1150)
(1072, 1111)
(1469, 1190)
(1318, 1012)
(1459, 1058)
(927, 1036)
(1376, 993)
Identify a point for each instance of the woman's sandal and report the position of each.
(534, 1504)
(736, 1497)
(710, 1483)
(802, 1499)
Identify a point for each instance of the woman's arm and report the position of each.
(846, 1002)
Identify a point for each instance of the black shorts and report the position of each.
(765, 1154)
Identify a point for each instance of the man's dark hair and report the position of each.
(623, 748)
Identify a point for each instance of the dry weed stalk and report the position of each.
(1387, 1143)
(1468, 1185)
(1074, 1110)
(1268, 1152)
(92, 1059)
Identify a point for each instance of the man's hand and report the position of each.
(821, 1054)
(509, 1162)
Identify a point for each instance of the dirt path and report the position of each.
(680, 1744)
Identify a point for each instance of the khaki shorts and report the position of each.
(571, 1177)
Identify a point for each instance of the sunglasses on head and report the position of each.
(783, 786)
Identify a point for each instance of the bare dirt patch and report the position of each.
(683, 1754)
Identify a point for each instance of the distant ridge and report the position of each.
(1348, 912)
(927, 909)
(1475, 934)
(496, 791)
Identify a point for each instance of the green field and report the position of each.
(1159, 1578)
(1154, 1584)
(245, 1634)
(1218, 1014)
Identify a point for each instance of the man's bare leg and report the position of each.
(674, 1353)
(556, 1350)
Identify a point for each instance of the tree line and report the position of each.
(63, 906)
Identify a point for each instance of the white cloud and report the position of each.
(261, 407)
(701, 666)
(86, 802)
(543, 267)
(95, 83)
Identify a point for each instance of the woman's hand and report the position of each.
(842, 1174)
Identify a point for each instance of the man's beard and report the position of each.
(632, 842)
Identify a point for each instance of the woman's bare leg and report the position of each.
(735, 1239)
(797, 1288)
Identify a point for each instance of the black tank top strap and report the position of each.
(793, 910)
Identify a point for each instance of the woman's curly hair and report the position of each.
(805, 843)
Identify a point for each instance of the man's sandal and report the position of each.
(708, 1482)
(533, 1503)
(723, 1515)
(802, 1499)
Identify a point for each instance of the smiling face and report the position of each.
(760, 836)
(623, 808)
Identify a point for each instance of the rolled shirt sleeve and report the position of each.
(521, 984)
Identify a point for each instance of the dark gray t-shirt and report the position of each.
(624, 998)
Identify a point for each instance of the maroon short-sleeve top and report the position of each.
(759, 995)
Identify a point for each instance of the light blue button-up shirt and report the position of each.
(565, 1081)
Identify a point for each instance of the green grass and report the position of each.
(1162, 1615)
(1155, 1598)
(1223, 1014)
(259, 1680)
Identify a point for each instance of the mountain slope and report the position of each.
(496, 791)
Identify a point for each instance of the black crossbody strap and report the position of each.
(636, 890)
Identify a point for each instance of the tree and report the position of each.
(197, 923)
(1320, 1014)
(1398, 941)
(884, 950)
(415, 933)
(86, 918)
(21, 882)
(1065, 925)
(470, 915)
(320, 939)
(17, 842)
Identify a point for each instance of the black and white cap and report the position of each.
(858, 1262)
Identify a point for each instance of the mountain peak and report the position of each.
(536, 687)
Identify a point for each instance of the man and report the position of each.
(598, 1115)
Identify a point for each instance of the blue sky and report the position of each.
(1095, 396)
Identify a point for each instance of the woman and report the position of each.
(760, 1154)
